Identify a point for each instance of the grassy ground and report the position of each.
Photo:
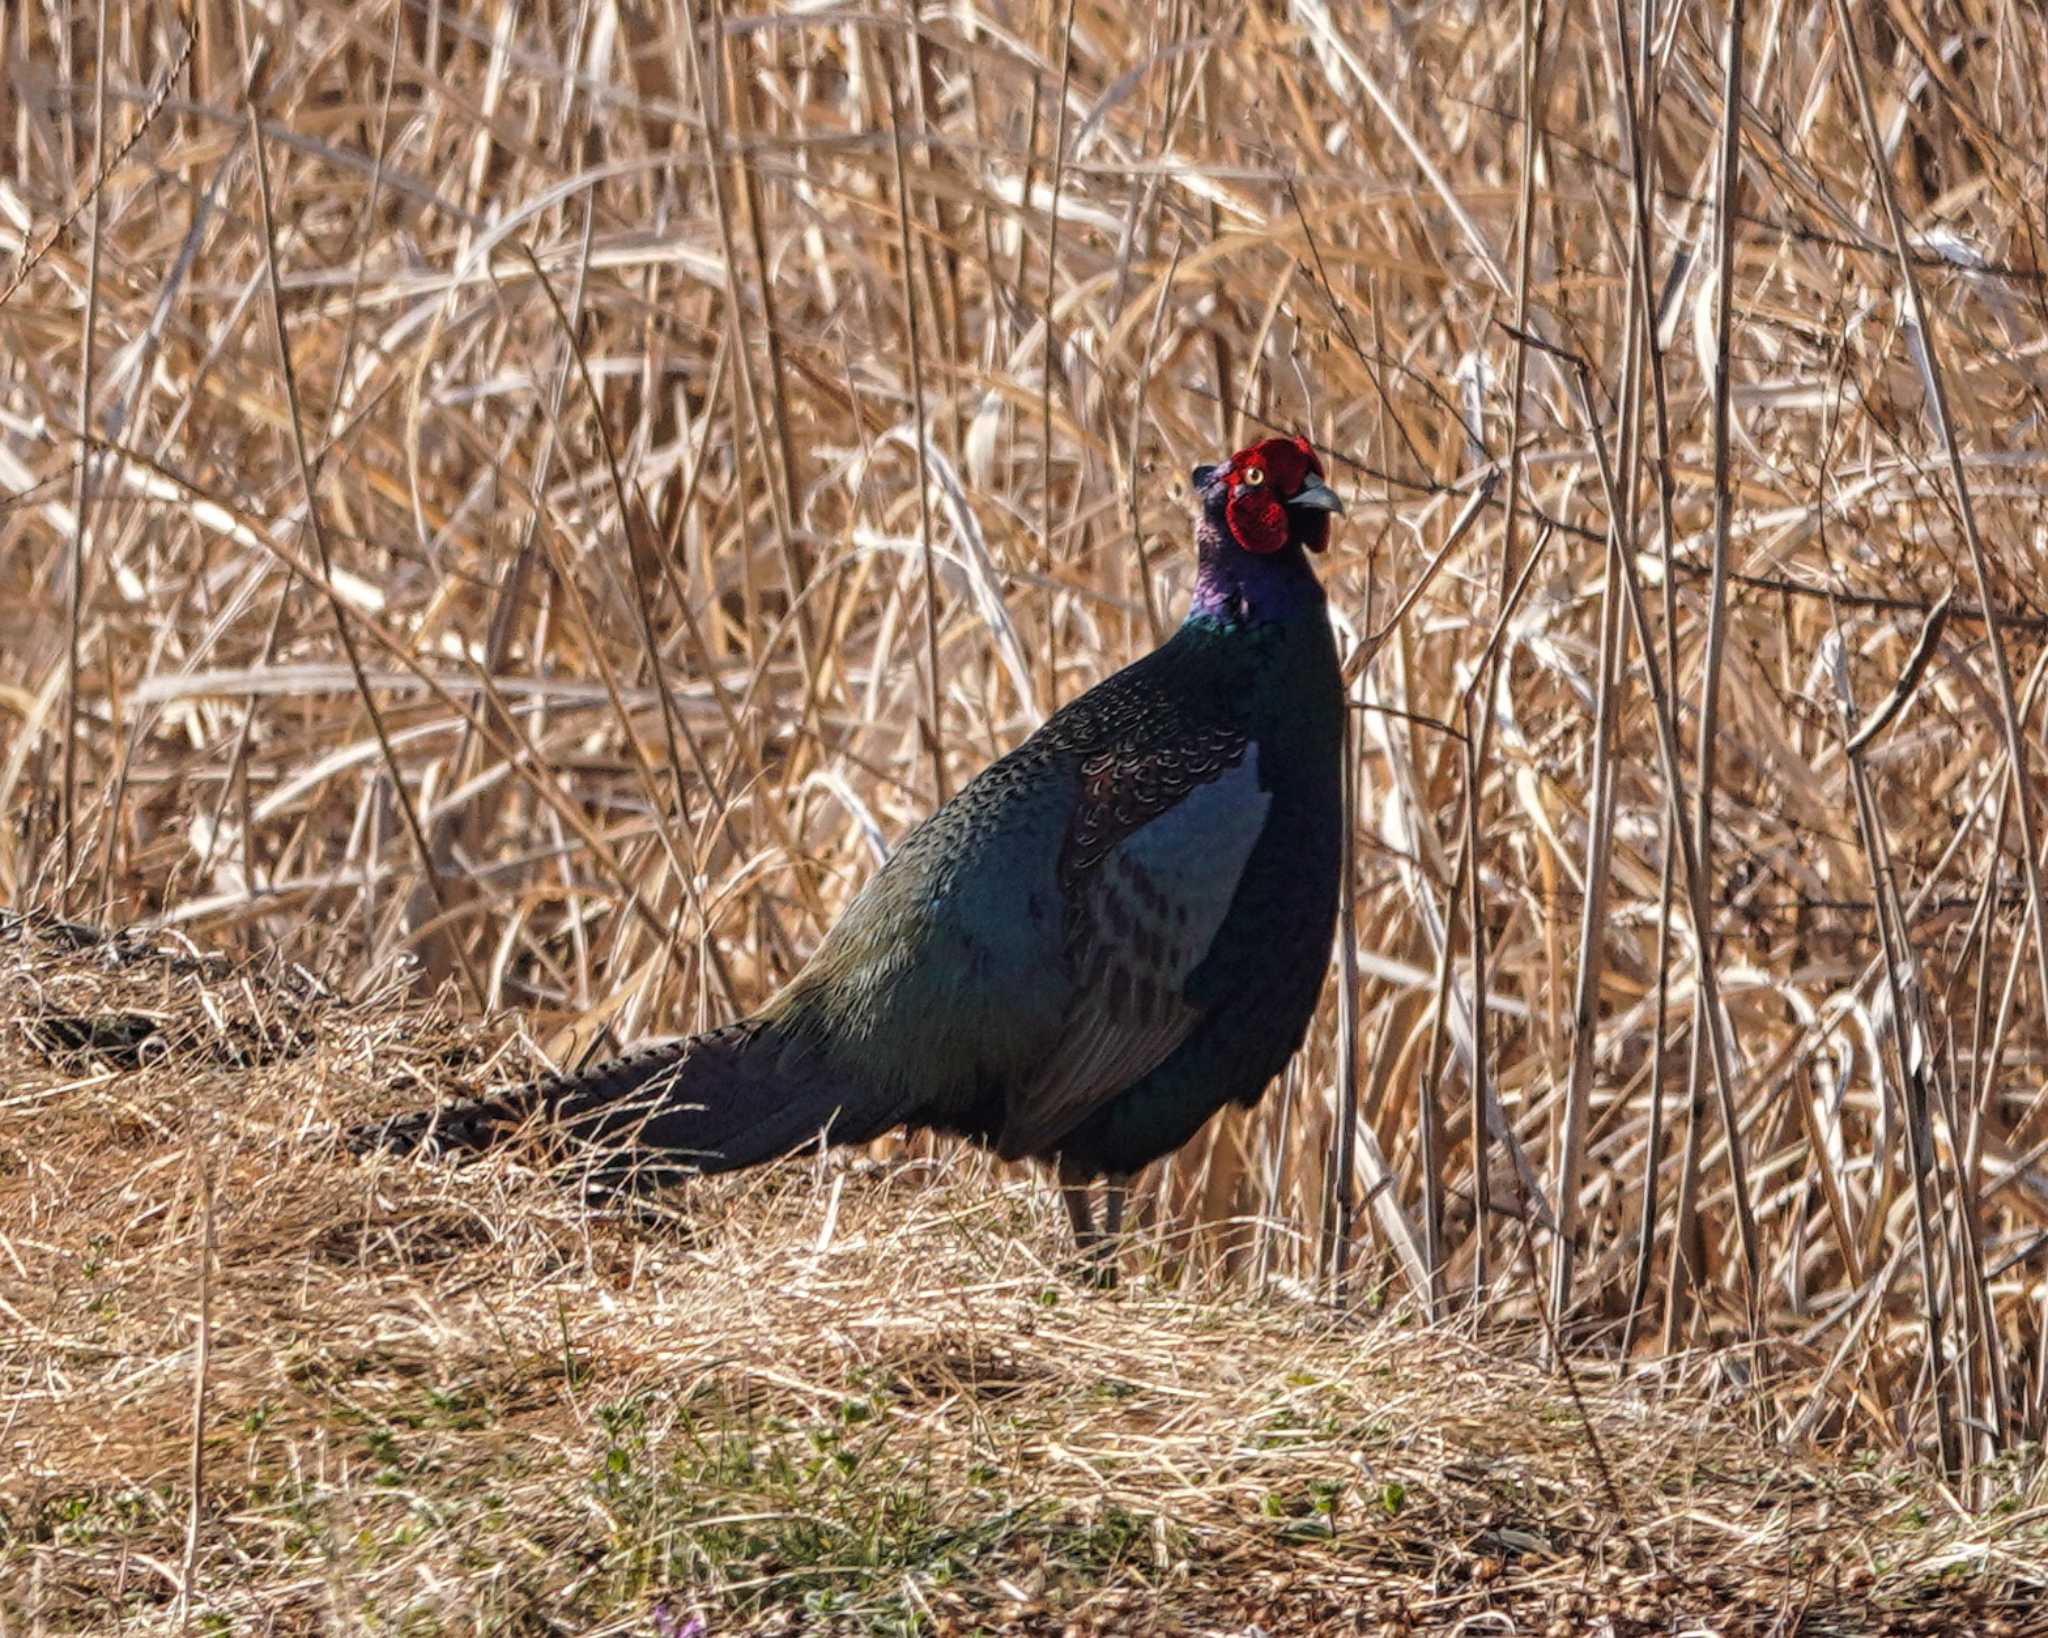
(844, 1397)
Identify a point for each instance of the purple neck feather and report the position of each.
(1234, 587)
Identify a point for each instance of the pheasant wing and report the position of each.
(1151, 861)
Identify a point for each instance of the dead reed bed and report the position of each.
(528, 503)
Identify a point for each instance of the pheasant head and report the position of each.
(1269, 497)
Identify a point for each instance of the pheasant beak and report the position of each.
(1316, 495)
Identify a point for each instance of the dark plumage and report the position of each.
(1111, 933)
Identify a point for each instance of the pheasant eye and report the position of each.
(1254, 477)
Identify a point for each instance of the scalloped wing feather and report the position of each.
(1154, 859)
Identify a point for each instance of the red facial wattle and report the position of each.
(1258, 522)
(1259, 481)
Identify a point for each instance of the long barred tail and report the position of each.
(714, 1103)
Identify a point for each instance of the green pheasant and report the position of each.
(1111, 933)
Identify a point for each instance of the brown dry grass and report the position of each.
(833, 1399)
(599, 666)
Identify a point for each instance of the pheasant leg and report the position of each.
(1074, 1196)
(1108, 1249)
